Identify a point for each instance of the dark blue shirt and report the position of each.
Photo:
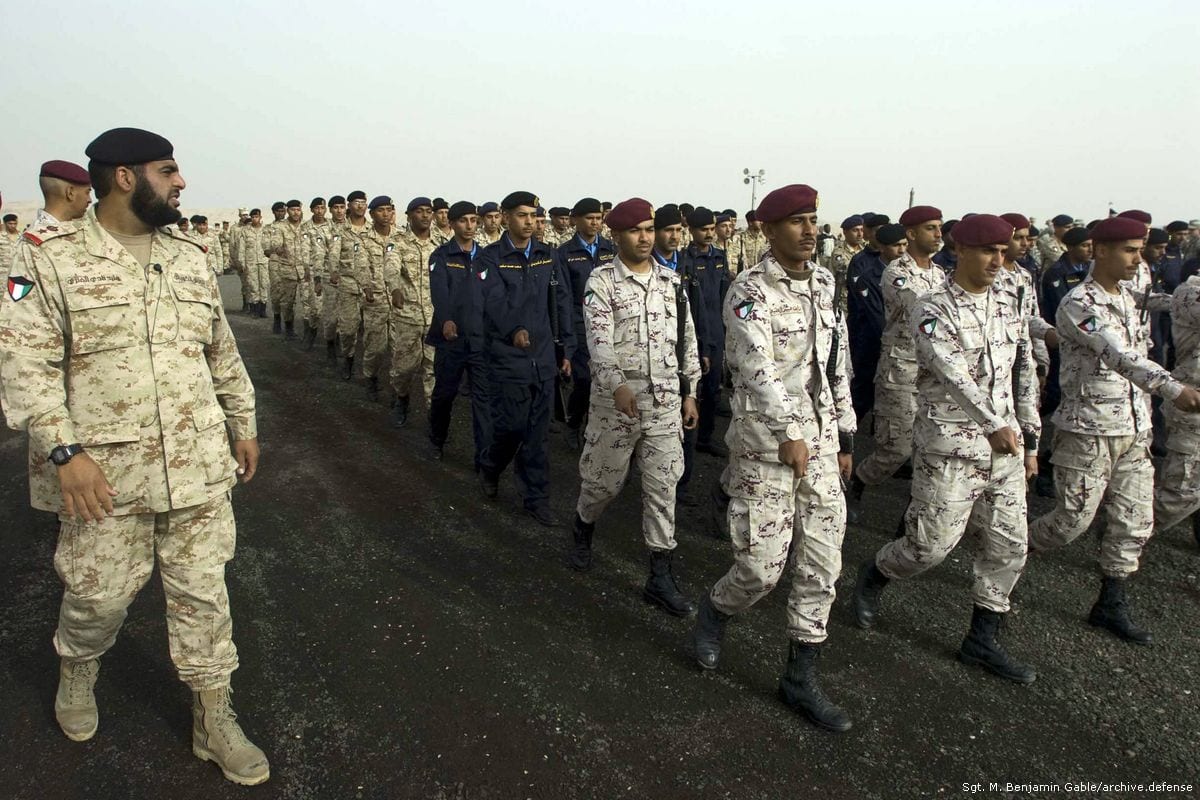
(711, 271)
(456, 289)
(691, 285)
(576, 260)
(1062, 277)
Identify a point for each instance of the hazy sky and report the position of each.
(1036, 107)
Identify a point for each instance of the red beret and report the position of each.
(1138, 214)
(1119, 229)
(982, 230)
(65, 170)
(1018, 221)
(919, 215)
(786, 201)
(629, 214)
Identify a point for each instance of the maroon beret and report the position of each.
(982, 230)
(1119, 229)
(786, 201)
(919, 215)
(1018, 221)
(1138, 214)
(65, 170)
(629, 214)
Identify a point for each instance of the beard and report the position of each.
(150, 208)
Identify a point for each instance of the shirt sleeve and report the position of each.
(598, 328)
(231, 382)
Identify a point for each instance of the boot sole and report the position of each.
(690, 648)
(979, 662)
(808, 716)
(241, 780)
(1101, 624)
(653, 600)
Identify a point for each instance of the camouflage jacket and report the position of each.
(316, 236)
(839, 264)
(136, 364)
(377, 249)
(212, 251)
(788, 381)
(287, 245)
(406, 269)
(1105, 372)
(967, 355)
(1185, 327)
(1049, 248)
(351, 255)
(632, 329)
(1019, 283)
(904, 283)
(251, 246)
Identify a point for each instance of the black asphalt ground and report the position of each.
(402, 637)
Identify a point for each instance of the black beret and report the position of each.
(541, 212)
(462, 208)
(317, 201)
(380, 200)
(560, 211)
(891, 233)
(723, 217)
(440, 204)
(279, 205)
(518, 199)
(1062, 221)
(751, 216)
(337, 200)
(1095, 222)
(294, 204)
(607, 205)
(700, 218)
(686, 208)
(199, 219)
(1158, 236)
(667, 216)
(10, 217)
(195, 218)
(1033, 231)
(416, 203)
(1178, 226)
(587, 205)
(1077, 236)
(852, 221)
(129, 146)
(357, 194)
(489, 207)
(729, 212)
(872, 220)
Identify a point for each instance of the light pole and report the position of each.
(755, 179)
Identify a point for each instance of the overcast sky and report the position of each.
(1036, 107)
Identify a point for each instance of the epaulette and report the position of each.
(182, 237)
(44, 233)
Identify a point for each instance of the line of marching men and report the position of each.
(640, 330)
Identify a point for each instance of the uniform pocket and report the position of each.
(116, 449)
(212, 444)
(196, 314)
(101, 318)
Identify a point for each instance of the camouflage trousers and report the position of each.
(328, 322)
(377, 335)
(774, 517)
(257, 282)
(951, 495)
(412, 359)
(894, 414)
(104, 564)
(1086, 470)
(349, 317)
(308, 306)
(286, 290)
(1177, 492)
(273, 276)
(610, 442)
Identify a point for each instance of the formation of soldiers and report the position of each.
(956, 343)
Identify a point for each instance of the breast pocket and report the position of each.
(789, 333)
(196, 310)
(101, 318)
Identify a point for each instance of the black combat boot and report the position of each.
(331, 351)
(262, 310)
(704, 643)
(579, 553)
(866, 593)
(573, 439)
(713, 448)
(489, 482)
(1111, 611)
(289, 329)
(981, 648)
(854, 494)
(373, 388)
(719, 527)
(348, 368)
(901, 529)
(660, 587)
(799, 690)
(1196, 527)
(277, 324)
(310, 337)
(399, 412)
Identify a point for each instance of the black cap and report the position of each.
(416, 203)
(1076, 236)
(129, 146)
(357, 194)
(1157, 236)
(1062, 221)
(279, 205)
(891, 233)
(294, 204)
(1178, 226)
(607, 205)
(254, 211)
(337, 200)
(873, 220)
(10, 217)
(381, 200)
(587, 205)
(462, 208)
(560, 211)
(439, 204)
(316, 201)
(667, 216)
(518, 199)
(686, 208)
(195, 219)
(700, 218)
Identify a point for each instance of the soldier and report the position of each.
(223, 234)
(865, 315)
(456, 291)
(378, 243)
(412, 309)
(972, 344)
(712, 271)
(1102, 425)
(1177, 494)
(560, 226)
(905, 281)
(184, 226)
(351, 259)
(254, 261)
(235, 251)
(947, 257)
(489, 213)
(117, 360)
(441, 231)
(1051, 244)
(329, 277)
(279, 211)
(66, 193)
(211, 243)
(317, 231)
(644, 364)
(843, 253)
(1019, 282)
(10, 236)
(528, 337)
(791, 434)
(575, 259)
(752, 245)
(287, 247)
(539, 226)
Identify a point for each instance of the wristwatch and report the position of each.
(64, 453)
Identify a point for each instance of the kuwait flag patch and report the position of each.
(483, 274)
(743, 309)
(19, 288)
(1090, 325)
(588, 297)
(928, 326)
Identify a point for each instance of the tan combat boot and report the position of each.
(75, 703)
(217, 737)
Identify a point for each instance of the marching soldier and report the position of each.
(287, 248)
(317, 231)
(1177, 494)
(254, 264)
(712, 271)
(844, 252)
(791, 434)
(412, 309)
(378, 243)
(329, 290)
(644, 363)
(279, 211)
(977, 416)
(351, 260)
(865, 313)
(1102, 426)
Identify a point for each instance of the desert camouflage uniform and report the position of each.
(788, 384)
(968, 348)
(632, 326)
(376, 314)
(316, 236)
(351, 261)
(8, 249)
(1177, 495)
(904, 284)
(269, 241)
(213, 252)
(254, 263)
(287, 248)
(751, 248)
(140, 367)
(407, 269)
(1049, 249)
(483, 238)
(1019, 283)
(330, 292)
(1102, 427)
(838, 264)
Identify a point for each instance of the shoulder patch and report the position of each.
(19, 288)
(483, 274)
(743, 309)
(899, 281)
(588, 296)
(1090, 325)
(928, 326)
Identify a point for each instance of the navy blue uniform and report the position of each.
(711, 272)
(865, 320)
(576, 261)
(691, 285)
(1057, 281)
(456, 289)
(517, 288)
(946, 259)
